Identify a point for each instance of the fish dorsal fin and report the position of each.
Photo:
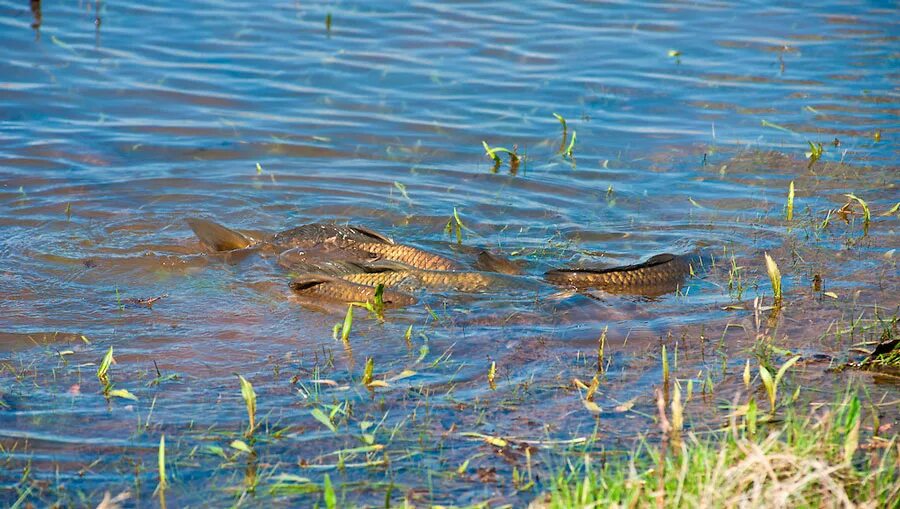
(217, 237)
(490, 262)
(653, 261)
(307, 281)
(377, 237)
(657, 260)
(385, 266)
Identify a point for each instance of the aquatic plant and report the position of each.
(249, 396)
(867, 214)
(771, 384)
(789, 212)
(774, 279)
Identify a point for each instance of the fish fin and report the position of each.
(305, 281)
(217, 237)
(657, 260)
(385, 266)
(372, 233)
(490, 262)
(649, 262)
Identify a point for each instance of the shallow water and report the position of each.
(119, 120)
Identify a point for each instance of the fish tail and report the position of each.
(217, 237)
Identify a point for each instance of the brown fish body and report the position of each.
(317, 234)
(329, 288)
(658, 275)
(325, 239)
(412, 256)
(442, 280)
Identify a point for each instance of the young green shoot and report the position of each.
(103, 369)
(867, 214)
(378, 305)
(565, 132)
(161, 458)
(328, 493)
(249, 396)
(571, 148)
(348, 323)
(369, 372)
(492, 375)
(665, 365)
(771, 385)
(815, 153)
(774, 278)
(601, 348)
(789, 214)
(455, 225)
(514, 158)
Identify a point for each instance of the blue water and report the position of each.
(120, 119)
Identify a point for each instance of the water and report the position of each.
(119, 120)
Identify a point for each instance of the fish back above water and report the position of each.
(656, 276)
(217, 237)
(395, 274)
(323, 259)
(412, 256)
(316, 234)
(492, 262)
(323, 287)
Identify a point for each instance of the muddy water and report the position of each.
(119, 120)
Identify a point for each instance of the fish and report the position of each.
(356, 242)
(300, 260)
(658, 275)
(395, 274)
(491, 262)
(323, 287)
(219, 238)
(409, 255)
(316, 234)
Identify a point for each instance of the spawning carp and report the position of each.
(323, 287)
(396, 274)
(357, 241)
(656, 276)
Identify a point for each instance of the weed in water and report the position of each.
(328, 493)
(492, 376)
(771, 385)
(815, 153)
(570, 150)
(867, 214)
(249, 396)
(455, 225)
(161, 465)
(789, 213)
(601, 348)
(369, 372)
(774, 278)
(565, 132)
(348, 323)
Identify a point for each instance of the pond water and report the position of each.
(119, 120)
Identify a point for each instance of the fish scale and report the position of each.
(659, 274)
(460, 281)
(412, 256)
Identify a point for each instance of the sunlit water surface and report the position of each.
(119, 120)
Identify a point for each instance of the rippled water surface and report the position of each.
(118, 120)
